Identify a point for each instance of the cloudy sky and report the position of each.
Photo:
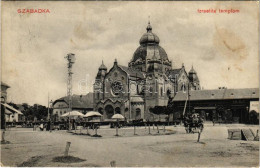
(223, 48)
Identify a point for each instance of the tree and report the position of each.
(13, 105)
(39, 111)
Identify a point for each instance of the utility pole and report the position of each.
(48, 108)
(71, 60)
(189, 95)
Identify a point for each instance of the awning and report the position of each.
(12, 109)
(205, 108)
(7, 111)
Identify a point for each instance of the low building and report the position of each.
(12, 114)
(8, 113)
(81, 103)
(226, 105)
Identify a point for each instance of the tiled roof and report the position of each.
(132, 72)
(219, 94)
(79, 101)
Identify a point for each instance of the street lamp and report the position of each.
(49, 104)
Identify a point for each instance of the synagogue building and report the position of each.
(147, 81)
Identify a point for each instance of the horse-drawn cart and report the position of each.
(193, 123)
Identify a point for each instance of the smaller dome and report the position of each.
(192, 71)
(102, 66)
(149, 37)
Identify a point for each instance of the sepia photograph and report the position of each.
(129, 83)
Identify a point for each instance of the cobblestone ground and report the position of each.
(170, 148)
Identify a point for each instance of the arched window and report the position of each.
(138, 113)
(183, 87)
(100, 110)
(161, 91)
(150, 109)
(117, 110)
(109, 111)
(151, 91)
(126, 109)
(168, 92)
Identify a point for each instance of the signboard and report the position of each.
(254, 105)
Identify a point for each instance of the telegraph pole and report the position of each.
(71, 60)
(189, 95)
(48, 108)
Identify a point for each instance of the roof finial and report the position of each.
(115, 61)
(149, 27)
(182, 64)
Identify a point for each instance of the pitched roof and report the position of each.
(79, 101)
(173, 72)
(132, 72)
(219, 94)
(10, 108)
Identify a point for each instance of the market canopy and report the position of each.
(72, 114)
(92, 114)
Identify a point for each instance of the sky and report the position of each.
(223, 48)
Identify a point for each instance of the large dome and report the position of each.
(149, 47)
(149, 52)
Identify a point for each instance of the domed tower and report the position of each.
(102, 70)
(148, 52)
(99, 83)
(194, 79)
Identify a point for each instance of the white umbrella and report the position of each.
(117, 117)
(72, 113)
(92, 114)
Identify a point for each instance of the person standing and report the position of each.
(48, 125)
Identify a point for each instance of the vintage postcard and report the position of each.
(129, 84)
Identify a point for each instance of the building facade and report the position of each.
(146, 82)
(221, 105)
(81, 103)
